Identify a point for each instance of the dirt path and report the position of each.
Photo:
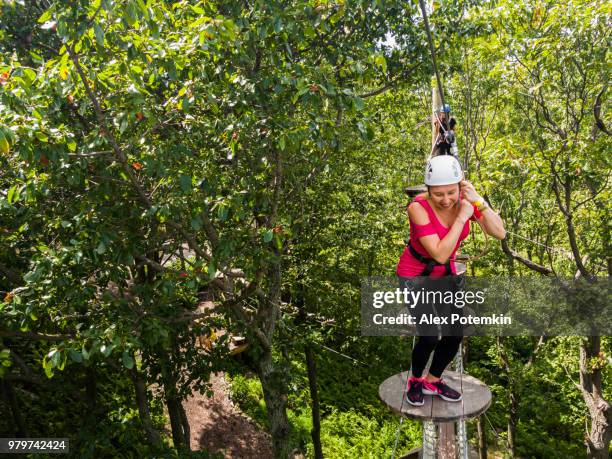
(219, 426)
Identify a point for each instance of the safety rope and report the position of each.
(483, 252)
(399, 428)
(340, 354)
(566, 253)
(497, 436)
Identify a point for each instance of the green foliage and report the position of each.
(247, 393)
(349, 434)
(111, 427)
(354, 423)
(155, 153)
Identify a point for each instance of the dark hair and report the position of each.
(429, 187)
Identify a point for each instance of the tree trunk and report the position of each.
(273, 376)
(185, 424)
(181, 432)
(178, 420)
(176, 423)
(273, 384)
(91, 388)
(598, 438)
(482, 439)
(9, 394)
(142, 402)
(314, 396)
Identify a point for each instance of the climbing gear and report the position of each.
(471, 258)
(442, 390)
(414, 395)
(454, 150)
(443, 170)
(442, 146)
(446, 141)
(430, 263)
(444, 109)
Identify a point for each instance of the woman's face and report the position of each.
(444, 196)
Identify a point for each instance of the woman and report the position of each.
(439, 221)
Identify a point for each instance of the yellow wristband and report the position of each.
(478, 203)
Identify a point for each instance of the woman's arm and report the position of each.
(489, 220)
(491, 223)
(441, 249)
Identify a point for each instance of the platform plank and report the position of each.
(476, 400)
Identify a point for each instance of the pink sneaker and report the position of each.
(414, 395)
(442, 390)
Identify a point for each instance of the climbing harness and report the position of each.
(430, 263)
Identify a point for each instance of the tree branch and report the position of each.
(391, 83)
(11, 275)
(527, 262)
(34, 336)
(597, 112)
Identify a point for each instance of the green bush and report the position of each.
(351, 434)
(247, 394)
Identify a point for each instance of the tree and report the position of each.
(549, 61)
(134, 132)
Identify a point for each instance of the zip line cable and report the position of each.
(432, 50)
(340, 354)
(325, 347)
(552, 249)
(562, 251)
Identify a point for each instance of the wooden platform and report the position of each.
(476, 400)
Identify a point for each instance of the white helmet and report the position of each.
(443, 170)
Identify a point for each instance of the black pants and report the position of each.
(445, 347)
(444, 350)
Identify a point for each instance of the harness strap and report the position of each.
(429, 263)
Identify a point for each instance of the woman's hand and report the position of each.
(468, 192)
(466, 210)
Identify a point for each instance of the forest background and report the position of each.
(156, 154)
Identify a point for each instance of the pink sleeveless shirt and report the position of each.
(408, 265)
